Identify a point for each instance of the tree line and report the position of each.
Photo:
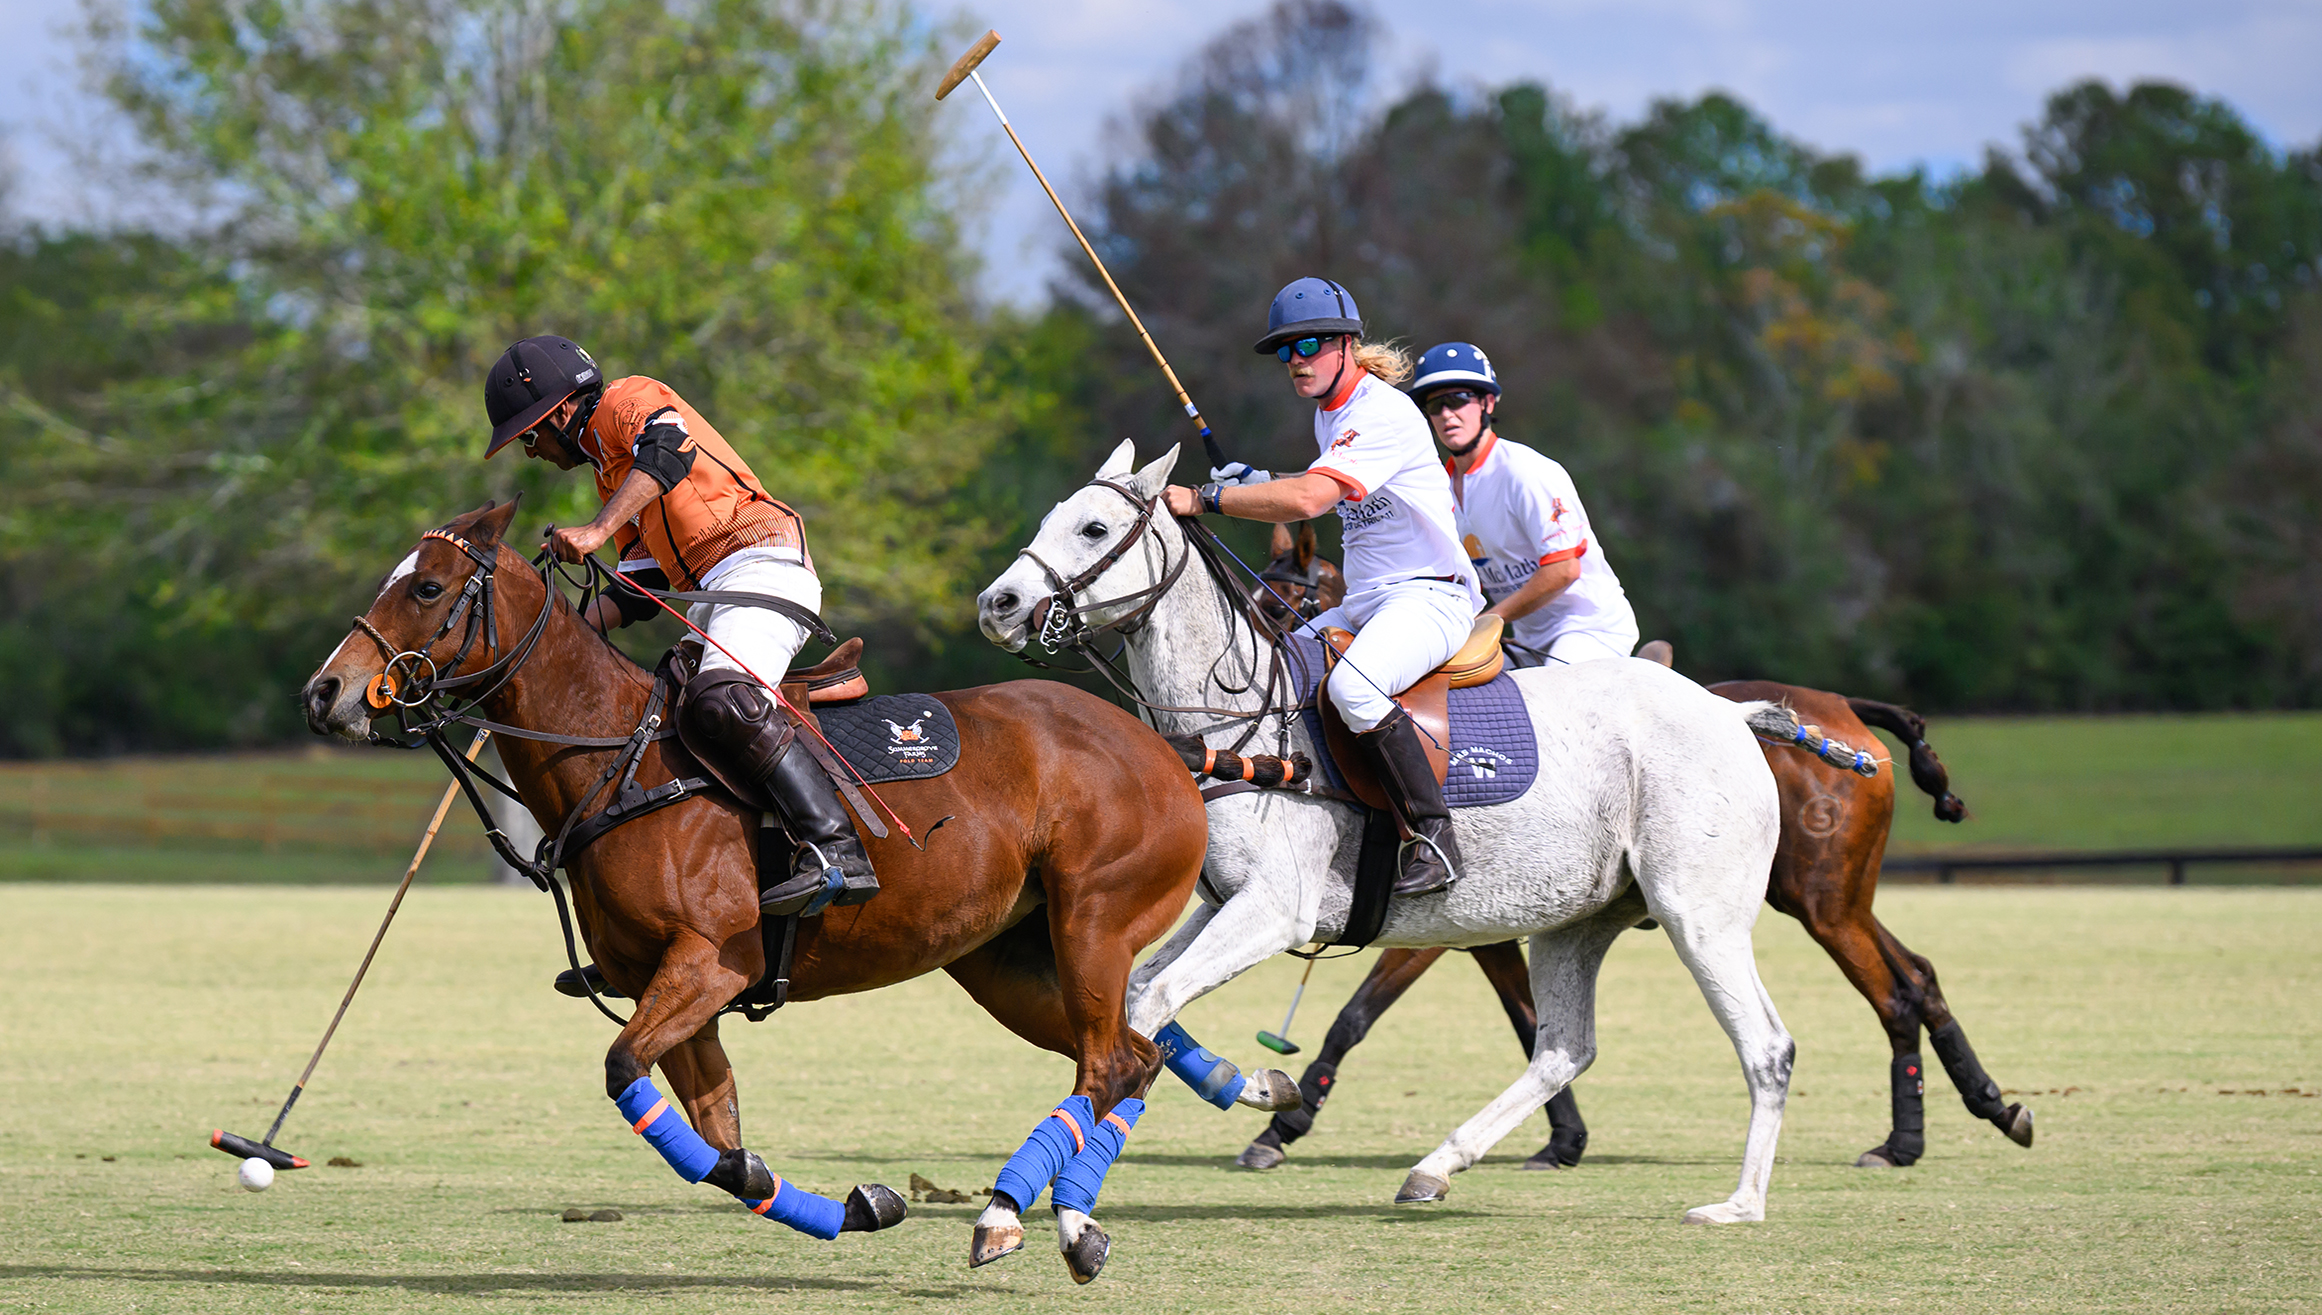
(2043, 436)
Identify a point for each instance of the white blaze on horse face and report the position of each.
(402, 568)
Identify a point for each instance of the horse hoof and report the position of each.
(990, 1243)
(871, 1207)
(1724, 1212)
(1420, 1188)
(1544, 1158)
(2016, 1122)
(1258, 1155)
(1877, 1157)
(1271, 1090)
(1086, 1256)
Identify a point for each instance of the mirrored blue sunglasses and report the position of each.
(1304, 347)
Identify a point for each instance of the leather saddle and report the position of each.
(836, 679)
(1479, 661)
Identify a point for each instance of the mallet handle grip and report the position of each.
(434, 824)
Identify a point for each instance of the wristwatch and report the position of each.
(1209, 496)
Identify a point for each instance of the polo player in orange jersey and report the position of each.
(687, 513)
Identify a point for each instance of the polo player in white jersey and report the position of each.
(1521, 520)
(1411, 592)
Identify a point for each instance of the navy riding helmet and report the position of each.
(1309, 308)
(1454, 365)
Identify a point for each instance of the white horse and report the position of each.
(1653, 799)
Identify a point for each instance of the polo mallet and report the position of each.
(965, 69)
(242, 1148)
(1283, 1045)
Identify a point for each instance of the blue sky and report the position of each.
(1894, 83)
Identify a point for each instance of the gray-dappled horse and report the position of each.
(1652, 799)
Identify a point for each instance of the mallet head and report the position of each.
(242, 1148)
(1280, 1045)
(966, 64)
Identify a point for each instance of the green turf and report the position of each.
(329, 815)
(142, 1017)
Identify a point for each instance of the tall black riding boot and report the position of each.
(733, 727)
(1431, 856)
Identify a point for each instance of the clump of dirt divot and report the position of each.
(576, 1215)
(924, 1190)
(345, 1162)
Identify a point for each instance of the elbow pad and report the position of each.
(661, 450)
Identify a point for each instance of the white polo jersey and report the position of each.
(1518, 512)
(1396, 509)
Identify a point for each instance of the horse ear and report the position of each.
(491, 522)
(1119, 462)
(1305, 544)
(1155, 477)
(1281, 542)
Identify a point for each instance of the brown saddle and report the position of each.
(836, 679)
(1478, 662)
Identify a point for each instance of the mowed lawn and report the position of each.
(2141, 1024)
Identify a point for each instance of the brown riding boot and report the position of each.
(1431, 857)
(733, 727)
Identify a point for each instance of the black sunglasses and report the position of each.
(1304, 347)
(1451, 399)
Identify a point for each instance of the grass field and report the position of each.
(324, 815)
(2139, 1023)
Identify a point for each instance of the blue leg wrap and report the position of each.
(658, 1122)
(815, 1216)
(1078, 1185)
(1214, 1080)
(1052, 1145)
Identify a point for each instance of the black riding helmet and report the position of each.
(530, 379)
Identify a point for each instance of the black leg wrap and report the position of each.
(741, 1173)
(1313, 1089)
(1908, 1141)
(1568, 1136)
(1975, 1086)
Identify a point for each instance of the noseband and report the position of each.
(1063, 625)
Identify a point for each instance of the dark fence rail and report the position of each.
(1946, 867)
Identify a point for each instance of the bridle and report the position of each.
(1309, 580)
(1062, 624)
(413, 683)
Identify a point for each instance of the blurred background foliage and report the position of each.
(2047, 435)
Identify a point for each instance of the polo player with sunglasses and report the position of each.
(684, 510)
(1411, 593)
(1522, 522)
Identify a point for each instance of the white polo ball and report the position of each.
(256, 1175)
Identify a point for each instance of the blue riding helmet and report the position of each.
(1309, 308)
(1454, 365)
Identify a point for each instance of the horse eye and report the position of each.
(427, 591)
(1094, 530)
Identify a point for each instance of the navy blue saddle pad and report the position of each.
(892, 737)
(1494, 757)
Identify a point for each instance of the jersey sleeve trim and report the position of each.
(1354, 487)
(1580, 550)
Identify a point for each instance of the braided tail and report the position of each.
(1927, 770)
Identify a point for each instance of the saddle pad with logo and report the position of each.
(1494, 757)
(892, 737)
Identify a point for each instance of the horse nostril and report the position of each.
(1004, 603)
(321, 695)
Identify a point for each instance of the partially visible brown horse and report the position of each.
(1074, 842)
(1826, 870)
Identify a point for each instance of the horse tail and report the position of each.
(1926, 769)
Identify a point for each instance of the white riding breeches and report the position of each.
(760, 639)
(1573, 646)
(1412, 629)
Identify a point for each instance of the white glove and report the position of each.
(1237, 474)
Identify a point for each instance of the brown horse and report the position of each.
(1826, 870)
(1075, 839)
